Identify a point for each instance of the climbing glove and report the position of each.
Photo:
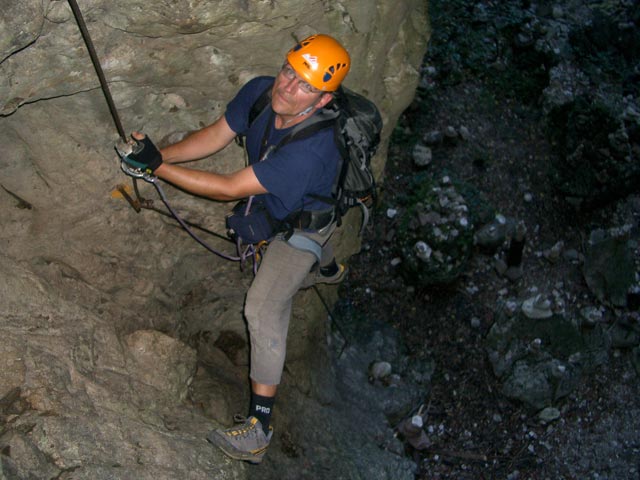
(145, 155)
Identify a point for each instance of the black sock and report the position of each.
(261, 408)
(330, 269)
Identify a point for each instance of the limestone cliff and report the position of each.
(122, 339)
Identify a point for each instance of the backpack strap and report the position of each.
(260, 104)
(321, 120)
(257, 109)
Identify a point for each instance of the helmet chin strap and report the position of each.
(307, 110)
(304, 112)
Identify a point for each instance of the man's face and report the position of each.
(292, 95)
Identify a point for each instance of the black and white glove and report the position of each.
(144, 155)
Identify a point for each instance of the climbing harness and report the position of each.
(301, 242)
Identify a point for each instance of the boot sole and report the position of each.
(232, 452)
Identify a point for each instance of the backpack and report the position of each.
(357, 123)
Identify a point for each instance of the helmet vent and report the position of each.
(328, 75)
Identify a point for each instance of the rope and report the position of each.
(249, 251)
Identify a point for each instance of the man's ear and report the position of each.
(324, 99)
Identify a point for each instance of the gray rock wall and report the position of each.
(105, 311)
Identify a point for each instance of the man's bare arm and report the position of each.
(233, 186)
(201, 143)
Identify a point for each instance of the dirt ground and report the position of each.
(476, 432)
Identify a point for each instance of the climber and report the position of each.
(287, 181)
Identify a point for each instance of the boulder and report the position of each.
(608, 266)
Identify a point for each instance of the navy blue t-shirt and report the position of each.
(292, 172)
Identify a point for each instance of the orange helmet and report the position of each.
(321, 61)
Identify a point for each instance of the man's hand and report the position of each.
(145, 155)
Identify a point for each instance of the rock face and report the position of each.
(122, 339)
(78, 398)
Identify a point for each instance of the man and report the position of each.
(289, 179)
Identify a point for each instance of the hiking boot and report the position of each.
(246, 441)
(337, 277)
